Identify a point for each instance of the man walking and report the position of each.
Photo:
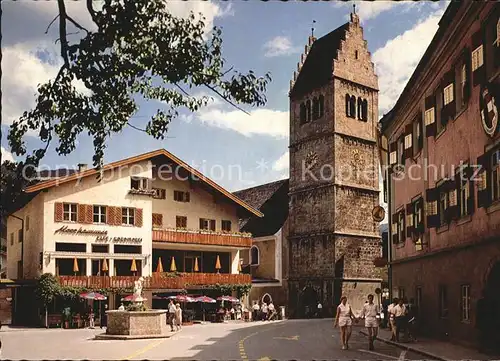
(255, 311)
(399, 317)
(171, 315)
(392, 318)
(371, 313)
(320, 310)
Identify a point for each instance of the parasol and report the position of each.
(159, 268)
(202, 300)
(182, 298)
(228, 299)
(93, 296)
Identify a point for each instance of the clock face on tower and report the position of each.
(311, 159)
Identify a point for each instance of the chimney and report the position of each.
(82, 167)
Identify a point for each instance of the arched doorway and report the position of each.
(308, 301)
(488, 314)
(267, 298)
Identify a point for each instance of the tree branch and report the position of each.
(136, 128)
(91, 11)
(182, 90)
(62, 31)
(76, 24)
(223, 97)
(52, 22)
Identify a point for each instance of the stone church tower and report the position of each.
(333, 173)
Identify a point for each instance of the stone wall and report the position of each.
(137, 323)
(312, 210)
(312, 256)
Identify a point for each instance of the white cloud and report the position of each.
(279, 46)
(398, 58)
(209, 9)
(274, 123)
(371, 9)
(282, 163)
(6, 155)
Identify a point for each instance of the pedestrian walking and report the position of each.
(344, 320)
(320, 310)
(271, 311)
(255, 311)
(392, 318)
(178, 317)
(91, 318)
(371, 314)
(171, 315)
(264, 310)
(104, 317)
(412, 316)
(399, 317)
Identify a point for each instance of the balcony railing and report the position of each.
(157, 281)
(243, 240)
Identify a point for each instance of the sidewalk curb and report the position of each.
(408, 348)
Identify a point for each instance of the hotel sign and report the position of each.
(101, 236)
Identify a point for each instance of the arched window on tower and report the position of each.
(364, 110)
(315, 108)
(302, 115)
(347, 105)
(360, 105)
(308, 110)
(254, 256)
(352, 106)
(321, 104)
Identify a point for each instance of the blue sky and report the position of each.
(261, 36)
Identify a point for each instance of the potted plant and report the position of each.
(66, 313)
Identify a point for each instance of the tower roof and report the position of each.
(317, 67)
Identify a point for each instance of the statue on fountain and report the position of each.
(138, 299)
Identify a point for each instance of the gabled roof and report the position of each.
(318, 66)
(55, 173)
(272, 200)
(142, 157)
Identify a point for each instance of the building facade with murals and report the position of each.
(151, 215)
(443, 178)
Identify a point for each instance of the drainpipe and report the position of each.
(22, 245)
(389, 228)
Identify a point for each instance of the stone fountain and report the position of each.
(126, 325)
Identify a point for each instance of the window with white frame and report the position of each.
(128, 215)
(495, 175)
(466, 303)
(254, 256)
(463, 79)
(69, 212)
(448, 94)
(464, 196)
(429, 116)
(443, 205)
(477, 58)
(99, 214)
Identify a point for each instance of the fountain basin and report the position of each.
(136, 325)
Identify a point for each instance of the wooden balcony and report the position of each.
(203, 238)
(157, 281)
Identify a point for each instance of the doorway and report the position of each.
(337, 284)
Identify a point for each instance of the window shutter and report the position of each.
(81, 215)
(89, 214)
(118, 216)
(448, 110)
(409, 220)
(419, 227)
(347, 105)
(212, 224)
(395, 228)
(431, 198)
(393, 155)
(201, 223)
(483, 186)
(478, 75)
(430, 125)
(110, 215)
(408, 141)
(138, 217)
(58, 212)
(187, 197)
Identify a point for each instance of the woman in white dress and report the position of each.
(344, 319)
